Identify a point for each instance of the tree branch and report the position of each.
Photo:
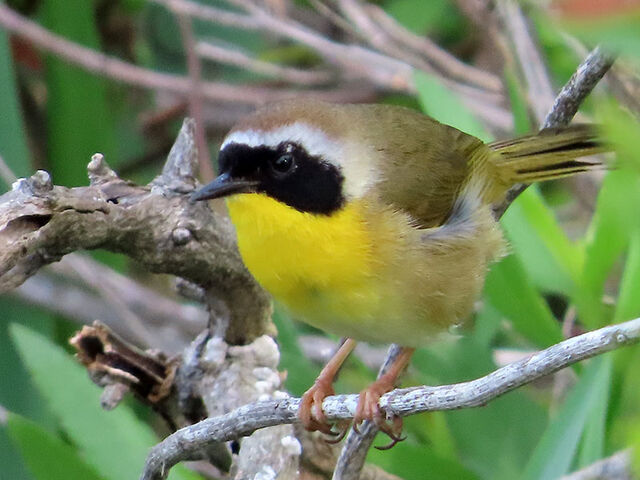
(154, 224)
(187, 442)
(118, 70)
(565, 106)
(581, 83)
(615, 467)
(539, 89)
(356, 446)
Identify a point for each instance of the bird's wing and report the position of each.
(424, 167)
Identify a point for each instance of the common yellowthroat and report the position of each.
(375, 222)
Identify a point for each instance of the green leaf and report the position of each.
(115, 443)
(47, 457)
(12, 465)
(592, 446)
(618, 33)
(17, 392)
(517, 98)
(423, 17)
(79, 121)
(413, 462)
(615, 218)
(509, 290)
(551, 259)
(445, 106)
(628, 305)
(300, 371)
(626, 396)
(554, 455)
(13, 145)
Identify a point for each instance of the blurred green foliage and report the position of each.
(56, 428)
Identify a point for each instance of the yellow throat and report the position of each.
(319, 266)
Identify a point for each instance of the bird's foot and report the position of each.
(369, 409)
(310, 412)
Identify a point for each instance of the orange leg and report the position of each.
(310, 411)
(368, 408)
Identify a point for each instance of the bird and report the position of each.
(375, 222)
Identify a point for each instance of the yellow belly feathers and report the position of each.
(328, 272)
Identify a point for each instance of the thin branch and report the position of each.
(187, 442)
(333, 17)
(378, 68)
(85, 270)
(443, 61)
(195, 95)
(236, 58)
(615, 467)
(356, 446)
(58, 289)
(6, 173)
(540, 91)
(212, 14)
(380, 39)
(118, 70)
(355, 61)
(581, 83)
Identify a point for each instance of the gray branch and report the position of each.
(581, 83)
(615, 467)
(156, 225)
(356, 446)
(565, 106)
(187, 442)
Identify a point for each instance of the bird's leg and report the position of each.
(368, 408)
(310, 411)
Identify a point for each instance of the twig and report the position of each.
(58, 290)
(85, 270)
(379, 38)
(540, 91)
(334, 17)
(354, 61)
(442, 61)
(118, 70)
(211, 14)
(356, 446)
(4, 415)
(229, 56)
(615, 467)
(586, 77)
(6, 173)
(185, 443)
(378, 68)
(581, 83)
(195, 95)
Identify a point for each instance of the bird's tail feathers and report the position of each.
(552, 153)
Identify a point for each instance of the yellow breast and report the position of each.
(323, 268)
(364, 271)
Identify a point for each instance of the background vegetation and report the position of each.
(574, 262)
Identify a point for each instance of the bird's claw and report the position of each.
(393, 430)
(311, 414)
(369, 409)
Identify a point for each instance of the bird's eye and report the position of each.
(284, 163)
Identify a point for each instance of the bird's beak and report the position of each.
(223, 186)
